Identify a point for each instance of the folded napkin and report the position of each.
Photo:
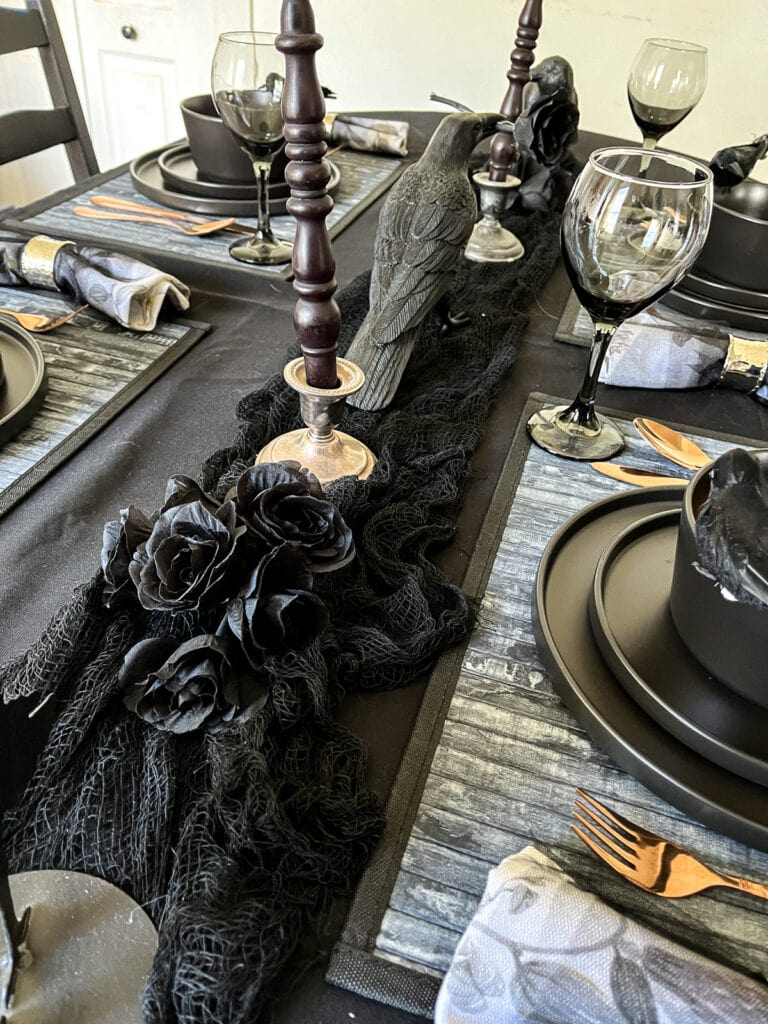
(371, 135)
(127, 290)
(541, 951)
(658, 350)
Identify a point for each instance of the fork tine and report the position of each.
(593, 828)
(629, 827)
(605, 826)
(618, 865)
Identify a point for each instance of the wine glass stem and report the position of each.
(582, 409)
(649, 145)
(262, 179)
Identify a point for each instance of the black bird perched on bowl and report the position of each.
(423, 227)
(732, 165)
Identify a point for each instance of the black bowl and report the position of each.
(214, 150)
(737, 243)
(729, 638)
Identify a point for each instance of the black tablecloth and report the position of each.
(53, 538)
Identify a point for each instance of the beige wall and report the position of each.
(393, 53)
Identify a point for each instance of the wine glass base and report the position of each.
(261, 251)
(572, 440)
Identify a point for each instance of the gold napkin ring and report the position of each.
(37, 260)
(745, 366)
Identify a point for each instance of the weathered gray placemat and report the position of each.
(492, 767)
(364, 176)
(95, 368)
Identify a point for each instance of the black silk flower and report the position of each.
(276, 610)
(121, 539)
(196, 685)
(189, 559)
(548, 122)
(282, 503)
(181, 490)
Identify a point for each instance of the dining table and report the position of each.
(51, 539)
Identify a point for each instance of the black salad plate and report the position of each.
(707, 792)
(707, 308)
(631, 621)
(217, 199)
(25, 384)
(706, 287)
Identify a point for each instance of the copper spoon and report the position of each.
(37, 324)
(672, 444)
(207, 228)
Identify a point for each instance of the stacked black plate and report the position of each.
(729, 282)
(606, 636)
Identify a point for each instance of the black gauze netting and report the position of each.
(234, 842)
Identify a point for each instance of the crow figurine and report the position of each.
(423, 228)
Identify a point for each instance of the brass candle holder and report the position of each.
(322, 381)
(320, 447)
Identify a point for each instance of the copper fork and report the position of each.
(38, 324)
(645, 859)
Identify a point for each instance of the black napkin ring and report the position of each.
(37, 260)
(745, 366)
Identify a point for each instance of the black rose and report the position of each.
(181, 490)
(276, 610)
(121, 539)
(188, 561)
(197, 685)
(548, 122)
(282, 503)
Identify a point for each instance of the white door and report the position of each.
(139, 60)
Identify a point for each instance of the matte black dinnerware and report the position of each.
(736, 247)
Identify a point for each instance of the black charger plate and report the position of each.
(706, 308)
(23, 390)
(703, 286)
(631, 621)
(560, 606)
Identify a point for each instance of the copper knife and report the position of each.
(638, 477)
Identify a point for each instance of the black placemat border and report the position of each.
(353, 957)
(42, 469)
(196, 271)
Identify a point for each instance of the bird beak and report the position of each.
(489, 124)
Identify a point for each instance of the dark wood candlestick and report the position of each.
(521, 59)
(316, 318)
(322, 381)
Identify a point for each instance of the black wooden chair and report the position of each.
(23, 132)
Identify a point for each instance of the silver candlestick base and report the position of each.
(86, 953)
(490, 242)
(320, 448)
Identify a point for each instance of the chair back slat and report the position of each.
(25, 132)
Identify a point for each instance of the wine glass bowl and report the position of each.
(666, 81)
(247, 77)
(632, 227)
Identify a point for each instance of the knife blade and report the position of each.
(638, 477)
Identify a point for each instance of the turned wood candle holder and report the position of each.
(322, 382)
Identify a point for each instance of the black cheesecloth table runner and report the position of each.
(234, 842)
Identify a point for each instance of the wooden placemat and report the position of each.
(204, 262)
(493, 763)
(95, 368)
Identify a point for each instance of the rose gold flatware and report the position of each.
(126, 206)
(638, 477)
(647, 860)
(37, 324)
(206, 228)
(672, 444)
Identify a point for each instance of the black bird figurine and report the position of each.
(423, 228)
(732, 165)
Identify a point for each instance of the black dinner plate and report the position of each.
(707, 792)
(148, 179)
(180, 173)
(631, 621)
(706, 287)
(26, 382)
(704, 308)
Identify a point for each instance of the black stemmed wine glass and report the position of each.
(247, 77)
(665, 83)
(632, 227)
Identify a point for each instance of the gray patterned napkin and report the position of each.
(539, 950)
(127, 290)
(368, 134)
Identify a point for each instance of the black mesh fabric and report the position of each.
(234, 843)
